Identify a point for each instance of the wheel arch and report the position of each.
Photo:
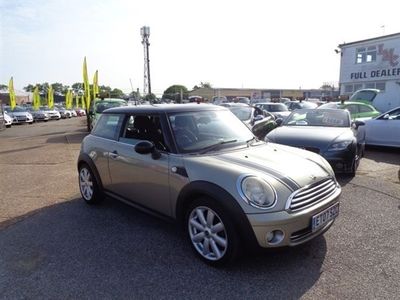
(197, 189)
(85, 159)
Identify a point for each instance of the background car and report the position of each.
(80, 112)
(51, 112)
(260, 122)
(65, 113)
(328, 132)
(7, 120)
(39, 115)
(19, 115)
(292, 105)
(358, 110)
(202, 167)
(384, 130)
(100, 105)
(278, 110)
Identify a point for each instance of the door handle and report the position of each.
(113, 154)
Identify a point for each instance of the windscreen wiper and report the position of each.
(214, 146)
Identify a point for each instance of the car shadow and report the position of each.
(73, 250)
(71, 138)
(383, 154)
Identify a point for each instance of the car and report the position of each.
(278, 110)
(296, 104)
(65, 113)
(384, 130)
(327, 132)
(51, 112)
(80, 112)
(99, 105)
(39, 115)
(258, 121)
(7, 120)
(201, 167)
(19, 115)
(73, 113)
(358, 110)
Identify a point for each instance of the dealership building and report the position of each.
(372, 64)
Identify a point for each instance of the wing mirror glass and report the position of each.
(147, 147)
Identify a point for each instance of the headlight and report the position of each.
(257, 192)
(339, 146)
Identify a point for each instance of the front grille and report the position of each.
(312, 194)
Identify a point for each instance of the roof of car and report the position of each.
(159, 108)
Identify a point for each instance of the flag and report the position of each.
(86, 84)
(11, 91)
(96, 84)
(36, 98)
(50, 97)
(77, 100)
(68, 100)
(83, 102)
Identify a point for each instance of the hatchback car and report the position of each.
(19, 115)
(358, 110)
(279, 110)
(201, 166)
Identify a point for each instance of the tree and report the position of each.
(150, 97)
(176, 93)
(117, 93)
(3, 87)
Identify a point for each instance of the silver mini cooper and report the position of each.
(201, 166)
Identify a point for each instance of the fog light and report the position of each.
(275, 237)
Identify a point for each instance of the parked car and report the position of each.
(99, 105)
(7, 120)
(65, 113)
(201, 166)
(358, 110)
(384, 130)
(258, 121)
(39, 115)
(80, 112)
(328, 132)
(19, 115)
(52, 113)
(292, 105)
(278, 110)
(73, 113)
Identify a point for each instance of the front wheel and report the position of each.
(89, 186)
(211, 232)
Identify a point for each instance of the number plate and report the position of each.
(324, 217)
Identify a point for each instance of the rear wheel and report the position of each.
(89, 186)
(211, 232)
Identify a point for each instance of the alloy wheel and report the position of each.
(86, 184)
(207, 233)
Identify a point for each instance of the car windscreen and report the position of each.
(242, 112)
(318, 117)
(275, 107)
(363, 95)
(308, 105)
(18, 109)
(199, 130)
(103, 105)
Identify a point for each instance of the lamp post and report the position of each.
(145, 33)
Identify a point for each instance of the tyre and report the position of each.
(88, 185)
(211, 232)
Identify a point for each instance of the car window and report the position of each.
(143, 127)
(364, 109)
(107, 126)
(352, 108)
(393, 115)
(318, 117)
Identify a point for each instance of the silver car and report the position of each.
(201, 166)
(19, 115)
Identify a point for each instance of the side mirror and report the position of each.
(357, 124)
(146, 147)
(279, 121)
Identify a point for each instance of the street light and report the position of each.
(145, 33)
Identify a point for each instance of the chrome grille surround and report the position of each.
(312, 194)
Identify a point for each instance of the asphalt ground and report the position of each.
(54, 246)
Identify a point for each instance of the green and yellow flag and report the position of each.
(11, 91)
(68, 100)
(77, 100)
(50, 97)
(83, 102)
(36, 98)
(86, 84)
(96, 84)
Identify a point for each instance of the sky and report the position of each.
(285, 44)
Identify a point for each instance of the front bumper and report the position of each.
(340, 161)
(296, 226)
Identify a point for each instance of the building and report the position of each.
(21, 97)
(231, 93)
(372, 64)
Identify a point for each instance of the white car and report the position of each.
(384, 130)
(19, 115)
(7, 120)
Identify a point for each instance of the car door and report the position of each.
(384, 130)
(141, 178)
